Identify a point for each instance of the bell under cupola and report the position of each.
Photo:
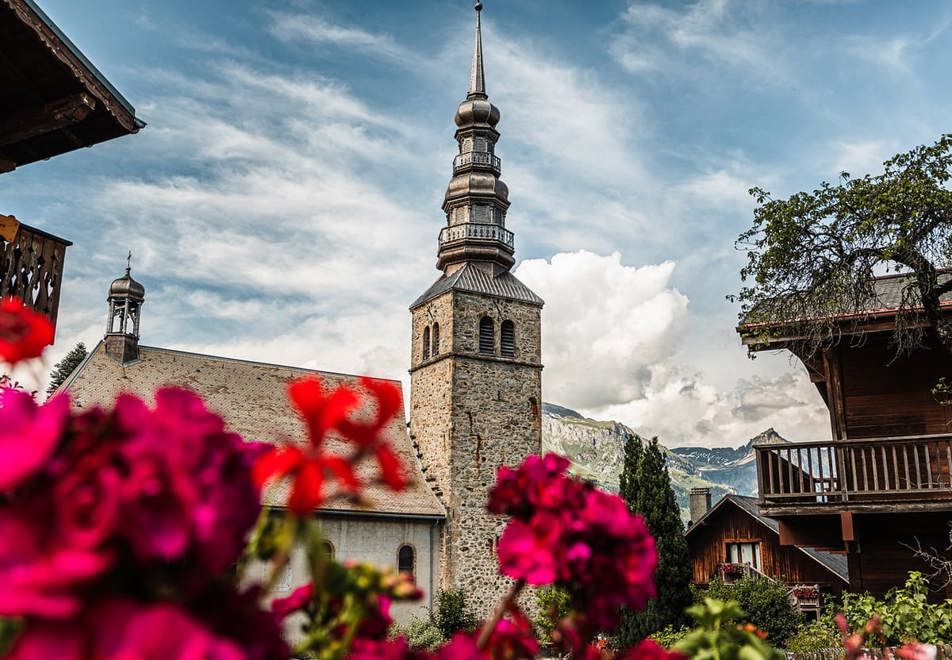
(126, 296)
(476, 199)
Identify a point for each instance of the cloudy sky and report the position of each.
(283, 203)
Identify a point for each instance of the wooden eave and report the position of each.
(52, 99)
(859, 323)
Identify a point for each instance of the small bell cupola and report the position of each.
(122, 325)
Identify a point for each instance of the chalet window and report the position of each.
(436, 339)
(745, 553)
(487, 336)
(507, 338)
(426, 342)
(406, 560)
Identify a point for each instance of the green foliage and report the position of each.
(767, 604)
(814, 636)
(553, 605)
(812, 256)
(646, 487)
(421, 634)
(718, 637)
(905, 612)
(670, 636)
(452, 613)
(9, 629)
(66, 366)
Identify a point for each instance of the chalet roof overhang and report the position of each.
(878, 316)
(52, 99)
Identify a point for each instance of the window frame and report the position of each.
(413, 562)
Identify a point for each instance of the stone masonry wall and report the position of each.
(494, 419)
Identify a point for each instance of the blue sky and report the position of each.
(284, 201)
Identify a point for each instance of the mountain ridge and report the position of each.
(596, 449)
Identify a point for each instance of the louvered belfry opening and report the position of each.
(487, 336)
(426, 342)
(507, 338)
(436, 339)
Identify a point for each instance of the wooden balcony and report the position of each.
(31, 265)
(873, 474)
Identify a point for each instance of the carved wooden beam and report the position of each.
(38, 120)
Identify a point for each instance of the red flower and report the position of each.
(29, 434)
(370, 436)
(23, 333)
(322, 412)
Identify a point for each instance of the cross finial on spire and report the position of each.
(477, 80)
(129, 262)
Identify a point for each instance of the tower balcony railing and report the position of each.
(468, 158)
(870, 473)
(31, 266)
(476, 230)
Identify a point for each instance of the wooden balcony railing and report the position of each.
(868, 471)
(31, 265)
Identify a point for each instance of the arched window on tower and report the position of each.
(507, 339)
(406, 560)
(487, 336)
(426, 342)
(436, 339)
(328, 549)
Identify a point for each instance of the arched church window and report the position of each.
(328, 549)
(487, 336)
(507, 339)
(436, 339)
(426, 342)
(406, 560)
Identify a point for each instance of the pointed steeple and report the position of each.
(476, 199)
(477, 79)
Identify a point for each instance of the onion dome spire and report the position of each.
(477, 79)
(476, 199)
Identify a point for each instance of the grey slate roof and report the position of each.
(889, 289)
(251, 397)
(473, 279)
(834, 562)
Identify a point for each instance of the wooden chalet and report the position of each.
(883, 485)
(52, 100)
(733, 539)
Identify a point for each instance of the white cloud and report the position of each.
(316, 29)
(860, 158)
(657, 38)
(604, 325)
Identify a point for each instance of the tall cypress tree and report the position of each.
(63, 368)
(646, 487)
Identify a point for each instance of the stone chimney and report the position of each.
(699, 502)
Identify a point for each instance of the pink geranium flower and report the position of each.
(29, 434)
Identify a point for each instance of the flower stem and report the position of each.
(506, 604)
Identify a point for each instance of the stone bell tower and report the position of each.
(476, 370)
(122, 324)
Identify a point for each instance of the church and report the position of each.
(475, 393)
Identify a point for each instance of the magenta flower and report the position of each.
(566, 532)
(41, 575)
(529, 550)
(125, 629)
(28, 434)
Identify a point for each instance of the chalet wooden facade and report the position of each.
(52, 100)
(734, 539)
(884, 483)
